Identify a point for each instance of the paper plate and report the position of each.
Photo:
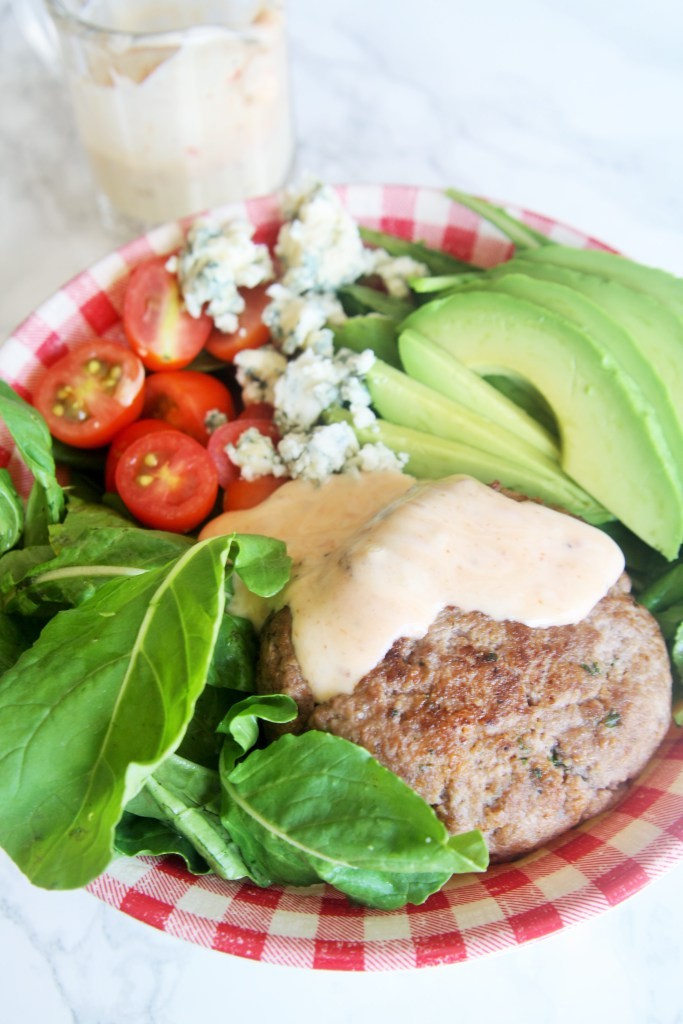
(579, 875)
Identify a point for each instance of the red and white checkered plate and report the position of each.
(584, 872)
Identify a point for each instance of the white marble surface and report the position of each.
(572, 109)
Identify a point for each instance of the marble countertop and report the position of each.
(568, 109)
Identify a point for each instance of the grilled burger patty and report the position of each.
(519, 732)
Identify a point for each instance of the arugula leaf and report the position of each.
(436, 260)
(186, 797)
(359, 299)
(102, 697)
(148, 837)
(241, 728)
(11, 513)
(32, 438)
(316, 807)
(520, 234)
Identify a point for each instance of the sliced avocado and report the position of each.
(407, 403)
(653, 330)
(432, 457)
(660, 285)
(590, 318)
(433, 366)
(611, 443)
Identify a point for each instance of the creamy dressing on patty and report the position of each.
(378, 556)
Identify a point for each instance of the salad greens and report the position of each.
(128, 721)
(127, 724)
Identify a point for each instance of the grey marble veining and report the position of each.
(569, 109)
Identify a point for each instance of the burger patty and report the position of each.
(520, 732)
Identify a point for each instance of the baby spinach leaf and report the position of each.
(151, 838)
(11, 513)
(102, 697)
(201, 742)
(241, 724)
(34, 444)
(13, 642)
(316, 807)
(372, 331)
(234, 656)
(186, 797)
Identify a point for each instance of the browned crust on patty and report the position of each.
(520, 732)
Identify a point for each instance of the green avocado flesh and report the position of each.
(654, 333)
(612, 444)
(431, 457)
(408, 403)
(658, 284)
(433, 366)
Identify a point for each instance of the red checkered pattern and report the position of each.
(581, 874)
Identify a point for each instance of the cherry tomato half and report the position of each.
(167, 480)
(91, 393)
(123, 439)
(257, 411)
(184, 398)
(230, 433)
(251, 333)
(157, 326)
(241, 494)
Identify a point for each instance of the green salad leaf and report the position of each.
(11, 513)
(315, 807)
(34, 444)
(103, 696)
(148, 837)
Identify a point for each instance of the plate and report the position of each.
(577, 876)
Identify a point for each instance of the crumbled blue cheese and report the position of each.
(311, 383)
(318, 454)
(298, 322)
(319, 246)
(216, 260)
(256, 455)
(258, 371)
(395, 271)
(214, 419)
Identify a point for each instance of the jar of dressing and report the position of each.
(181, 104)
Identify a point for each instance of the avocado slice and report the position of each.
(407, 403)
(431, 458)
(653, 329)
(433, 366)
(611, 443)
(585, 314)
(660, 285)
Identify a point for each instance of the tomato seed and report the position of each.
(145, 479)
(150, 459)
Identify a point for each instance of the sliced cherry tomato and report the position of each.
(91, 393)
(230, 433)
(251, 333)
(241, 494)
(184, 398)
(257, 411)
(167, 480)
(123, 439)
(157, 325)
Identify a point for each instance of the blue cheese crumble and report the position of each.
(298, 322)
(256, 455)
(258, 370)
(319, 246)
(216, 260)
